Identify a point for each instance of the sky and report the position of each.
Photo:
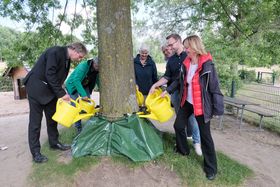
(19, 26)
(65, 29)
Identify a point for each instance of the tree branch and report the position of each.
(235, 25)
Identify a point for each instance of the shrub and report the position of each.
(6, 84)
(247, 75)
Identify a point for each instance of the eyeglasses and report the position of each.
(170, 45)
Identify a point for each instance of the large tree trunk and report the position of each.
(116, 59)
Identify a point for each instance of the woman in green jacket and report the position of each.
(82, 81)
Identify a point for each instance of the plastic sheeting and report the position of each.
(130, 136)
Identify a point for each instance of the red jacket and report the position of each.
(196, 88)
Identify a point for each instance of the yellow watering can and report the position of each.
(66, 114)
(139, 97)
(160, 109)
(87, 106)
(151, 97)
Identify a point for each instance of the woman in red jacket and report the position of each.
(199, 95)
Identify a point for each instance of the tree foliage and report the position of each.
(245, 32)
(236, 31)
(42, 30)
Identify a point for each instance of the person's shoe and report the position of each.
(197, 149)
(211, 176)
(189, 137)
(175, 149)
(39, 158)
(60, 146)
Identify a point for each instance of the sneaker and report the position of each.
(189, 137)
(197, 149)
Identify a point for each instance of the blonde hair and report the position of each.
(195, 43)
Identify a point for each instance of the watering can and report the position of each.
(139, 97)
(160, 109)
(66, 114)
(151, 97)
(87, 106)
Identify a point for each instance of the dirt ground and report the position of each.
(258, 150)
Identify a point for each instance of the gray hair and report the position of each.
(164, 46)
(95, 60)
(144, 47)
(78, 47)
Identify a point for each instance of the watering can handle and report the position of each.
(89, 99)
(59, 101)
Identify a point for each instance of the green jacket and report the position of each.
(74, 81)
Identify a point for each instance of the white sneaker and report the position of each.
(197, 149)
(189, 137)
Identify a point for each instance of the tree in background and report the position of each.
(43, 26)
(240, 31)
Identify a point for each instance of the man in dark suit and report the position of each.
(44, 86)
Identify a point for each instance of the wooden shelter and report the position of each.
(17, 74)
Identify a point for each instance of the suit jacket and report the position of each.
(44, 82)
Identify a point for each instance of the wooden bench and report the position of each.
(261, 112)
(238, 107)
(235, 106)
(242, 105)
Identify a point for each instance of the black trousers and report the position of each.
(207, 144)
(35, 119)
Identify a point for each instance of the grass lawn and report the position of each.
(189, 169)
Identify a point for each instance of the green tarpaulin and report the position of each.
(130, 136)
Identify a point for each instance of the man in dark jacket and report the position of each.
(44, 86)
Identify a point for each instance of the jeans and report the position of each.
(195, 129)
(192, 126)
(175, 101)
(74, 96)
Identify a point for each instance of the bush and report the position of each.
(247, 75)
(226, 78)
(6, 84)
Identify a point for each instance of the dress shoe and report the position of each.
(211, 176)
(39, 158)
(60, 146)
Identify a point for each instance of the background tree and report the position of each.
(242, 29)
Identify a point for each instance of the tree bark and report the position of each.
(117, 91)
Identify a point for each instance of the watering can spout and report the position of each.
(81, 116)
(150, 116)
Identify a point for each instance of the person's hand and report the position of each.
(152, 89)
(85, 98)
(163, 93)
(66, 98)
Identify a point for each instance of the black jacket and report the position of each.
(146, 75)
(212, 98)
(173, 67)
(44, 82)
